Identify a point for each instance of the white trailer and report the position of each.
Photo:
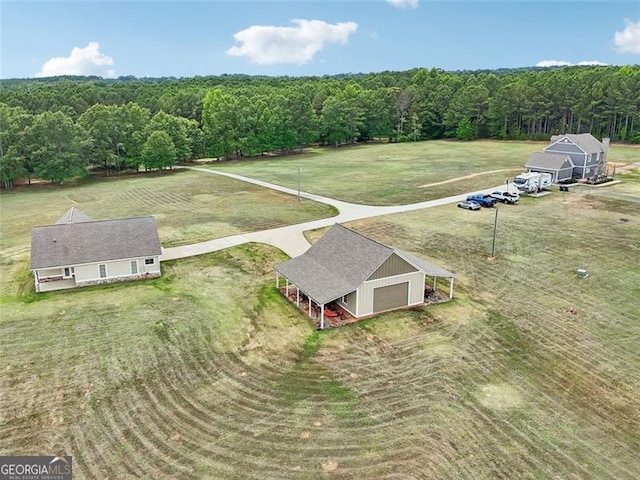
(532, 182)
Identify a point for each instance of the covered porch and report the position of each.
(435, 291)
(323, 315)
(55, 283)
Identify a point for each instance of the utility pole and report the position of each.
(495, 229)
(299, 168)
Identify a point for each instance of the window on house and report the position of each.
(149, 261)
(134, 267)
(344, 299)
(102, 268)
(67, 272)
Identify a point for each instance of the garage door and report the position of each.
(393, 296)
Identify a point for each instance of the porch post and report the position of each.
(298, 296)
(277, 279)
(322, 317)
(435, 279)
(287, 288)
(450, 288)
(309, 306)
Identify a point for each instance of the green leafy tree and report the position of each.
(302, 116)
(251, 135)
(465, 130)
(221, 124)
(342, 117)
(159, 151)
(58, 146)
(133, 128)
(471, 102)
(13, 160)
(403, 103)
(377, 119)
(176, 129)
(279, 132)
(416, 126)
(11, 167)
(102, 123)
(196, 137)
(334, 121)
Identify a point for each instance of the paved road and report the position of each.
(290, 239)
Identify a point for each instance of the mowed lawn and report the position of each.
(208, 373)
(393, 174)
(189, 207)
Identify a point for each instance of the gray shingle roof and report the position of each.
(340, 261)
(550, 161)
(73, 215)
(430, 269)
(66, 244)
(585, 141)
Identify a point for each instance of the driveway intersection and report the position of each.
(290, 239)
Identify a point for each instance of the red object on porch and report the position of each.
(330, 313)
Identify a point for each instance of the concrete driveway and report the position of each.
(290, 239)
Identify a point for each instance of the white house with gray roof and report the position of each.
(360, 275)
(78, 251)
(587, 153)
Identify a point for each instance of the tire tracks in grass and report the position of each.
(467, 177)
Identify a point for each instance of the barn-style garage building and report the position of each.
(362, 276)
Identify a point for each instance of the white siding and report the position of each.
(115, 269)
(87, 272)
(118, 269)
(365, 291)
(155, 268)
(351, 304)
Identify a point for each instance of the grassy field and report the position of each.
(207, 372)
(189, 207)
(391, 174)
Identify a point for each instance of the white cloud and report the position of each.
(628, 40)
(552, 63)
(82, 61)
(403, 3)
(268, 44)
(562, 63)
(591, 62)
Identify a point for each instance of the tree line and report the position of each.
(55, 128)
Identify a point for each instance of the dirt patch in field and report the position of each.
(329, 466)
(624, 167)
(581, 202)
(466, 177)
(500, 396)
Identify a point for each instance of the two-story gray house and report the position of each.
(587, 154)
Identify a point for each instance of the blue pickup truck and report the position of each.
(484, 200)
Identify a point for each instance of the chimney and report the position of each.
(603, 168)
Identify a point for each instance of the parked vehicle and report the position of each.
(506, 196)
(469, 205)
(532, 182)
(484, 200)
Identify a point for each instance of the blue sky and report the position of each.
(300, 37)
